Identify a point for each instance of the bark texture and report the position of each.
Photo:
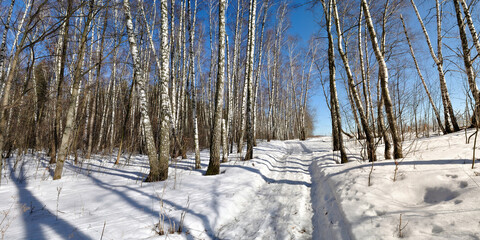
(215, 142)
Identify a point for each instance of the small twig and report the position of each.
(400, 228)
(59, 189)
(103, 230)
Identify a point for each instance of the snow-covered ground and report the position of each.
(291, 190)
(435, 194)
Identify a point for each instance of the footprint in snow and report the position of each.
(439, 194)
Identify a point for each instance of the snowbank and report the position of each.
(435, 195)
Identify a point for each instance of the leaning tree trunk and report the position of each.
(383, 72)
(372, 156)
(437, 114)
(476, 42)
(69, 125)
(214, 164)
(155, 171)
(468, 62)
(447, 105)
(471, 26)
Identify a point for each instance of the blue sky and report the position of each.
(304, 24)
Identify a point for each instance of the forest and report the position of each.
(186, 81)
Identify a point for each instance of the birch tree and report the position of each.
(438, 58)
(156, 173)
(383, 73)
(351, 83)
(69, 125)
(266, 6)
(430, 99)
(164, 155)
(471, 26)
(192, 20)
(214, 163)
(249, 79)
(334, 105)
(3, 45)
(467, 61)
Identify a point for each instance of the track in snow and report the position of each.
(281, 208)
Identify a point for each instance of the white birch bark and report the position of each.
(154, 174)
(257, 72)
(224, 142)
(372, 156)
(3, 47)
(249, 79)
(448, 111)
(383, 72)
(88, 131)
(471, 26)
(164, 153)
(468, 62)
(235, 69)
(192, 22)
(166, 122)
(334, 105)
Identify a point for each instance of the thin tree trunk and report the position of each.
(3, 46)
(471, 26)
(192, 21)
(432, 103)
(447, 105)
(59, 76)
(257, 72)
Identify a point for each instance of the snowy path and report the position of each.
(269, 197)
(281, 208)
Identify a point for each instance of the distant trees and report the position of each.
(401, 108)
(94, 77)
(103, 76)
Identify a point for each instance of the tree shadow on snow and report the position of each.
(147, 209)
(100, 169)
(392, 163)
(267, 179)
(36, 217)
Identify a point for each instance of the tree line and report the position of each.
(158, 78)
(376, 53)
(165, 77)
